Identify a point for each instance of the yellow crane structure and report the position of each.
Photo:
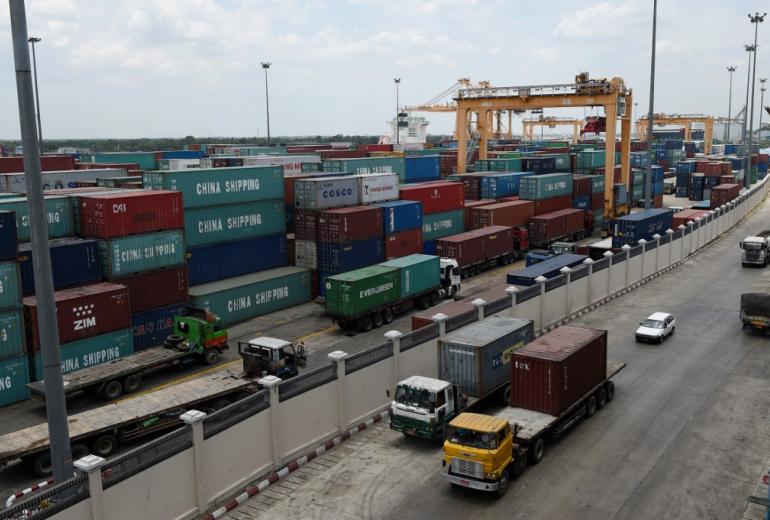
(613, 95)
(528, 132)
(685, 120)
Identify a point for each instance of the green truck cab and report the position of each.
(423, 406)
(200, 332)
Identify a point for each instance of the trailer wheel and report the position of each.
(131, 383)
(79, 450)
(502, 484)
(601, 398)
(211, 356)
(505, 396)
(610, 391)
(423, 302)
(591, 406)
(365, 324)
(433, 299)
(173, 340)
(112, 390)
(104, 445)
(221, 403)
(41, 464)
(536, 453)
(464, 273)
(377, 319)
(387, 315)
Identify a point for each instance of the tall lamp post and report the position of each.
(730, 103)
(756, 19)
(33, 40)
(749, 49)
(648, 176)
(266, 65)
(397, 81)
(761, 104)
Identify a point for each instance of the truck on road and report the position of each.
(480, 249)
(755, 310)
(755, 249)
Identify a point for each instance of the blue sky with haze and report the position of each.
(135, 68)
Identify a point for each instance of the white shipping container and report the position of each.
(327, 192)
(179, 164)
(377, 187)
(292, 164)
(305, 254)
(59, 180)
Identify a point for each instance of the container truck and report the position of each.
(372, 296)
(556, 380)
(548, 268)
(567, 224)
(755, 310)
(755, 249)
(482, 248)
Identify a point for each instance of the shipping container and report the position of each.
(243, 297)
(418, 273)
(74, 261)
(558, 224)
(514, 214)
(539, 164)
(210, 263)
(15, 164)
(215, 224)
(456, 308)
(421, 168)
(306, 254)
(145, 160)
(58, 214)
(496, 185)
(467, 210)
(306, 224)
(723, 194)
(151, 327)
(89, 352)
(8, 237)
(341, 257)
(552, 372)
(436, 197)
(10, 286)
(350, 224)
(366, 165)
(119, 214)
(437, 225)
(404, 243)
(354, 292)
(215, 186)
(156, 288)
(429, 247)
(57, 180)
(141, 253)
(547, 268)
(546, 186)
(477, 246)
(552, 204)
(478, 357)
(499, 164)
(326, 192)
(471, 184)
(14, 376)
(83, 312)
(582, 185)
(683, 217)
(401, 215)
(378, 187)
(11, 333)
(629, 229)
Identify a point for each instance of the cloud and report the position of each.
(603, 17)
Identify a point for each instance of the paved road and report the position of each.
(685, 437)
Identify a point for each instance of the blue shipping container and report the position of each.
(632, 228)
(74, 261)
(682, 191)
(540, 165)
(340, 258)
(151, 327)
(429, 247)
(182, 154)
(639, 159)
(210, 263)
(421, 168)
(582, 202)
(8, 237)
(401, 215)
(621, 194)
(657, 174)
(503, 184)
(685, 167)
(548, 268)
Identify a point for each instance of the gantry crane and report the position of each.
(685, 120)
(551, 122)
(613, 96)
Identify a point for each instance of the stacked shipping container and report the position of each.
(14, 369)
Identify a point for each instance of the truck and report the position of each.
(557, 248)
(569, 224)
(372, 296)
(755, 310)
(480, 249)
(549, 268)
(102, 431)
(198, 336)
(557, 380)
(755, 249)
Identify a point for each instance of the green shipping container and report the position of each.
(58, 213)
(439, 225)
(261, 150)
(141, 253)
(234, 222)
(546, 186)
(355, 292)
(597, 183)
(590, 159)
(367, 165)
(217, 186)
(509, 164)
(11, 333)
(14, 376)
(243, 297)
(418, 273)
(10, 286)
(145, 160)
(562, 162)
(90, 352)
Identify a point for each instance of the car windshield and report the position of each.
(652, 324)
(471, 438)
(419, 398)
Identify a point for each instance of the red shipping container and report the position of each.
(15, 164)
(469, 204)
(157, 288)
(472, 185)
(476, 246)
(657, 201)
(402, 244)
(552, 372)
(447, 164)
(119, 214)
(724, 193)
(83, 312)
(327, 155)
(557, 224)
(435, 196)
(581, 185)
(597, 201)
(552, 204)
(306, 224)
(727, 179)
(700, 166)
(288, 187)
(509, 198)
(349, 224)
(683, 217)
(291, 249)
(514, 214)
(375, 147)
(97, 166)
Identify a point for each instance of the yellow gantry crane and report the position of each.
(685, 120)
(613, 96)
(528, 132)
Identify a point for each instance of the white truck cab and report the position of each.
(422, 406)
(450, 277)
(755, 249)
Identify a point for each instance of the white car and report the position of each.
(657, 327)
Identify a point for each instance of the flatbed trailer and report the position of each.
(102, 430)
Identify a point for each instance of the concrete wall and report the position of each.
(368, 388)
(578, 294)
(554, 308)
(308, 419)
(419, 360)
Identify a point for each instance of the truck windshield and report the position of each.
(748, 246)
(419, 398)
(471, 438)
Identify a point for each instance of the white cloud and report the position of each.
(603, 17)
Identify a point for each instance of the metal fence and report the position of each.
(52, 500)
(419, 336)
(306, 381)
(555, 282)
(461, 320)
(687, 230)
(235, 413)
(578, 273)
(665, 239)
(497, 305)
(368, 357)
(136, 461)
(677, 235)
(602, 264)
(618, 258)
(527, 293)
(649, 246)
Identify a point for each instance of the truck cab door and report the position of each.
(450, 401)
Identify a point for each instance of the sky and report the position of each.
(171, 68)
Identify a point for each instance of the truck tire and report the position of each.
(365, 324)
(104, 445)
(464, 273)
(173, 340)
(537, 451)
(79, 450)
(41, 464)
(221, 403)
(502, 485)
(387, 316)
(111, 390)
(433, 299)
(423, 302)
(610, 391)
(591, 406)
(211, 356)
(601, 398)
(505, 395)
(377, 320)
(131, 383)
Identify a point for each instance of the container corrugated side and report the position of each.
(326, 192)
(210, 263)
(14, 376)
(545, 186)
(379, 187)
(58, 213)
(8, 237)
(11, 333)
(150, 328)
(215, 224)
(10, 286)
(74, 261)
(156, 288)
(418, 273)
(421, 168)
(89, 352)
(141, 253)
(118, 214)
(436, 197)
(243, 297)
(338, 258)
(438, 225)
(356, 292)
(401, 215)
(306, 254)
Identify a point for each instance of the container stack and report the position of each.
(14, 367)
(442, 206)
(501, 184)
(629, 229)
(549, 192)
(597, 198)
(402, 227)
(683, 171)
(421, 168)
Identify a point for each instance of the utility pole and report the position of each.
(397, 81)
(756, 20)
(749, 49)
(761, 105)
(730, 103)
(33, 40)
(266, 65)
(56, 407)
(648, 173)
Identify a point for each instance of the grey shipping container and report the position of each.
(477, 357)
(326, 192)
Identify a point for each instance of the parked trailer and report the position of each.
(564, 224)
(483, 248)
(755, 311)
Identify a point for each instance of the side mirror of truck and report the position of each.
(740, 244)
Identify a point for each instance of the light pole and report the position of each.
(761, 105)
(397, 81)
(648, 173)
(730, 103)
(33, 40)
(266, 65)
(749, 49)
(756, 19)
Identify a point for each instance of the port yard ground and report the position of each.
(685, 436)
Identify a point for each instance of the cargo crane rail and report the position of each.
(593, 87)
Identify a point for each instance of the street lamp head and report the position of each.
(34, 39)
(749, 47)
(757, 18)
(397, 80)
(762, 80)
(266, 64)
(732, 69)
